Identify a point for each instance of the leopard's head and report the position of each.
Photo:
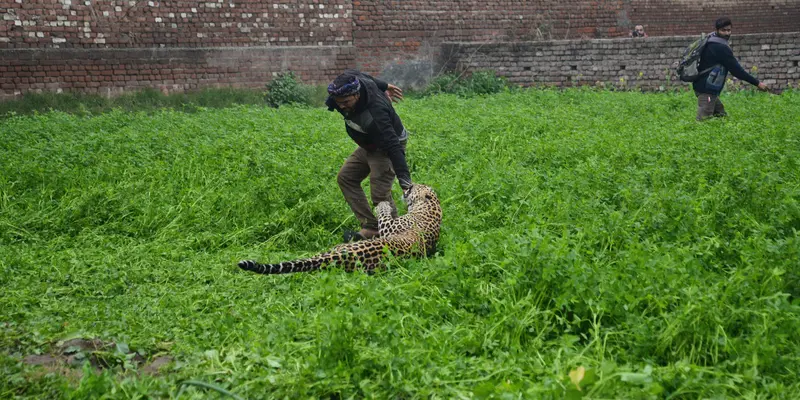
(420, 197)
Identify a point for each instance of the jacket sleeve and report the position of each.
(386, 140)
(330, 103)
(727, 59)
(382, 85)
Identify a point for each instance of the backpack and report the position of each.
(687, 66)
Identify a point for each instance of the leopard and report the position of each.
(413, 235)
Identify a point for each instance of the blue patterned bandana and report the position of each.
(345, 90)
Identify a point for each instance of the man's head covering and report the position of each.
(344, 85)
(722, 22)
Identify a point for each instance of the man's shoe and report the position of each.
(353, 236)
(368, 233)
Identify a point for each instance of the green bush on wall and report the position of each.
(485, 82)
(287, 89)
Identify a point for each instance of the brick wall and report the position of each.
(113, 71)
(393, 36)
(399, 40)
(626, 63)
(211, 23)
(108, 47)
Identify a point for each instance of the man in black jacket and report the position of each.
(373, 124)
(716, 61)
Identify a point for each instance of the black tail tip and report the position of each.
(246, 264)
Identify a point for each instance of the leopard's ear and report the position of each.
(428, 197)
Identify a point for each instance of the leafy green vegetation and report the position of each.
(152, 100)
(474, 84)
(144, 100)
(287, 89)
(594, 245)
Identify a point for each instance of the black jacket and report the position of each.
(718, 54)
(374, 124)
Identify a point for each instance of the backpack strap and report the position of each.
(713, 38)
(707, 70)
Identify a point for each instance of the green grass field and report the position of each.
(594, 245)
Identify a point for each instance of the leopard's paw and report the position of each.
(383, 207)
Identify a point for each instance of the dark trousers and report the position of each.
(708, 105)
(357, 167)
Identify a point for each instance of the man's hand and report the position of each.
(394, 93)
(406, 193)
(763, 87)
(406, 186)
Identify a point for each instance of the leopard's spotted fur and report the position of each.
(414, 234)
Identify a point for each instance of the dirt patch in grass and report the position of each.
(66, 358)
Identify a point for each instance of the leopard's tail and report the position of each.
(288, 267)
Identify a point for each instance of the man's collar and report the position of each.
(714, 34)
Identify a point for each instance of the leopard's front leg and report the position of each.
(384, 212)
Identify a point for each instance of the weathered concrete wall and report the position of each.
(627, 63)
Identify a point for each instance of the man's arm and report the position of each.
(393, 92)
(387, 140)
(726, 58)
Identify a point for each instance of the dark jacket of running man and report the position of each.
(371, 121)
(717, 59)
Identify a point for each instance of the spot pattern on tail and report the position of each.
(412, 235)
